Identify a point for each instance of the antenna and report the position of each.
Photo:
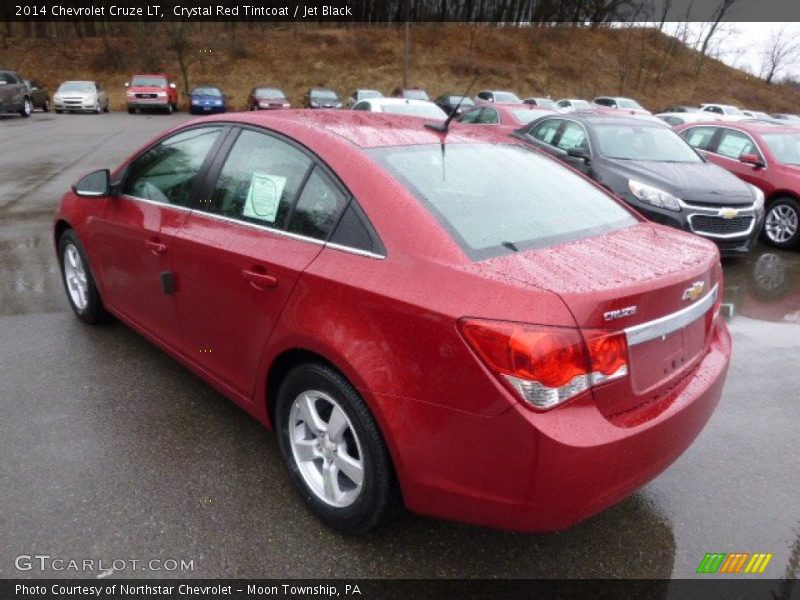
(445, 127)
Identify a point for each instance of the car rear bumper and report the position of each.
(155, 103)
(532, 471)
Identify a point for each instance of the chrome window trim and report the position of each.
(357, 251)
(155, 202)
(639, 334)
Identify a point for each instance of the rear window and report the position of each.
(269, 93)
(144, 80)
(526, 116)
(506, 97)
(496, 199)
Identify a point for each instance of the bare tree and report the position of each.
(778, 53)
(719, 13)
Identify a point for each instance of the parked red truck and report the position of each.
(156, 91)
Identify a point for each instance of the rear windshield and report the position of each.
(506, 97)
(628, 103)
(526, 116)
(415, 94)
(364, 94)
(144, 80)
(497, 199)
(637, 142)
(463, 99)
(269, 93)
(428, 111)
(324, 95)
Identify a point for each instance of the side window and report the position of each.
(735, 143)
(488, 116)
(605, 102)
(318, 208)
(485, 96)
(563, 104)
(573, 136)
(546, 131)
(470, 116)
(259, 181)
(355, 231)
(361, 106)
(699, 137)
(167, 172)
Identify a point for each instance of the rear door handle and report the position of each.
(259, 279)
(156, 247)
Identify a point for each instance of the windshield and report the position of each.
(544, 102)
(495, 199)
(76, 86)
(415, 94)
(324, 95)
(465, 101)
(147, 81)
(364, 94)
(428, 111)
(785, 147)
(628, 103)
(526, 116)
(269, 93)
(636, 142)
(206, 91)
(506, 97)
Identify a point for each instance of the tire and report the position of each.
(131, 111)
(317, 394)
(27, 108)
(78, 280)
(169, 109)
(782, 223)
(59, 111)
(46, 107)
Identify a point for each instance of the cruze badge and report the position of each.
(694, 291)
(728, 213)
(619, 313)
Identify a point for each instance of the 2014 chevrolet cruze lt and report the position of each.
(450, 322)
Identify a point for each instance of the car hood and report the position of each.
(700, 182)
(205, 97)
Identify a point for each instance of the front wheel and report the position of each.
(335, 454)
(782, 223)
(78, 280)
(27, 108)
(46, 107)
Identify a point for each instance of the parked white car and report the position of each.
(725, 112)
(402, 106)
(80, 96)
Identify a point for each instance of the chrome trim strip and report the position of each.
(156, 203)
(638, 334)
(366, 253)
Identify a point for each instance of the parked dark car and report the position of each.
(39, 96)
(765, 155)
(448, 103)
(15, 96)
(205, 99)
(359, 95)
(267, 98)
(320, 97)
(654, 170)
(413, 93)
(450, 322)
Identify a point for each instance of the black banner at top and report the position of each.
(511, 12)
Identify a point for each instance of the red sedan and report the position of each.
(765, 155)
(503, 118)
(462, 326)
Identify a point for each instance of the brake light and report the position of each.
(547, 365)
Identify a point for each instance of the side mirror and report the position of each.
(94, 185)
(752, 159)
(578, 153)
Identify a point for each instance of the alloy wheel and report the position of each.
(75, 277)
(781, 223)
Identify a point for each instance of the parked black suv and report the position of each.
(15, 95)
(654, 170)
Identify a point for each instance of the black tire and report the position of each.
(27, 108)
(93, 312)
(169, 109)
(59, 111)
(378, 499)
(46, 107)
(782, 213)
(131, 111)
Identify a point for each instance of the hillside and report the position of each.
(560, 62)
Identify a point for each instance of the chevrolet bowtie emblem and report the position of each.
(694, 291)
(728, 213)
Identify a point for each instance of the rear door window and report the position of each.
(573, 136)
(318, 208)
(546, 131)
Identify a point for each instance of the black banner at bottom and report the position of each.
(403, 589)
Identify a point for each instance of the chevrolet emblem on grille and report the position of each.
(728, 213)
(694, 291)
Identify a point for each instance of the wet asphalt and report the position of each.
(111, 450)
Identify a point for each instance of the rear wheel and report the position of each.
(27, 108)
(131, 111)
(78, 280)
(335, 454)
(46, 107)
(169, 109)
(782, 223)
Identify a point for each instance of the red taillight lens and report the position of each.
(547, 365)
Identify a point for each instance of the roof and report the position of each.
(364, 129)
(409, 101)
(593, 118)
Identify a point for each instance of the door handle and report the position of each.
(155, 246)
(259, 279)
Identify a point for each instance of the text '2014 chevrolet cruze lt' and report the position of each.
(446, 321)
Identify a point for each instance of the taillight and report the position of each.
(548, 365)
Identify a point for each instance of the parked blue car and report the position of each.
(207, 99)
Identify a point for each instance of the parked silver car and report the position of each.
(80, 96)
